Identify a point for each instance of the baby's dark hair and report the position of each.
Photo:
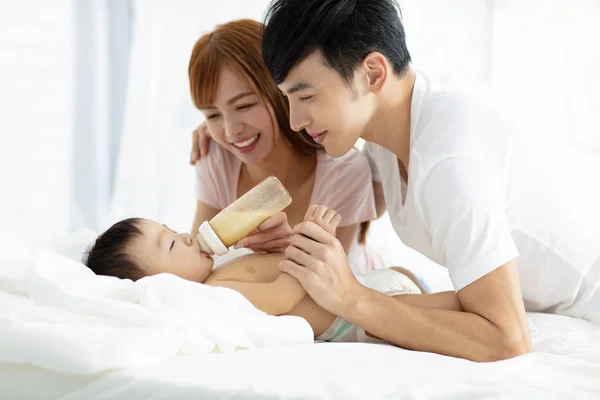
(108, 255)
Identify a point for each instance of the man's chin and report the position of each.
(335, 150)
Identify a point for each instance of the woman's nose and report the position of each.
(233, 129)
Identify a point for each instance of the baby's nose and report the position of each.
(187, 239)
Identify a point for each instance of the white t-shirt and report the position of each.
(481, 193)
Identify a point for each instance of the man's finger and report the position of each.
(204, 142)
(313, 231)
(193, 157)
(195, 134)
(306, 244)
(295, 270)
(298, 256)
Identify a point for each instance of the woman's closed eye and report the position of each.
(305, 98)
(243, 107)
(172, 245)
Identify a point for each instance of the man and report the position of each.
(514, 218)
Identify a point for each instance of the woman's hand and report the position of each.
(200, 141)
(274, 235)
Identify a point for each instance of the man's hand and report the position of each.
(272, 236)
(200, 140)
(317, 260)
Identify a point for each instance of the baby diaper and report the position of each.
(386, 281)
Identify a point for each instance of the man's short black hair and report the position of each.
(109, 256)
(345, 31)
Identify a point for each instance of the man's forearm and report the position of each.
(422, 328)
(441, 300)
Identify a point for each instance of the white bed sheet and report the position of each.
(565, 364)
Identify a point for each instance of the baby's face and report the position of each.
(162, 250)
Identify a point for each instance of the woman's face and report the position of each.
(240, 121)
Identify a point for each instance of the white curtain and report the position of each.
(154, 179)
(101, 55)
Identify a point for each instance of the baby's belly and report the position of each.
(259, 268)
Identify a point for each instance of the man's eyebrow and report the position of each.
(299, 86)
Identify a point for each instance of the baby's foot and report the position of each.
(326, 218)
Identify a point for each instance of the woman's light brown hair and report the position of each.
(237, 44)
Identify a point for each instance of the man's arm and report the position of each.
(492, 327)
(440, 300)
(274, 298)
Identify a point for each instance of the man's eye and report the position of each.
(213, 116)
(172, 244)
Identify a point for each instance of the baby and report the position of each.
(135, 248)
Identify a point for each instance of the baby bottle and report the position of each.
(243, 216)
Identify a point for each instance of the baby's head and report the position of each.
(135, 247)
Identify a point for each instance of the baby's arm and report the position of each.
(282, 295)
(274, 298)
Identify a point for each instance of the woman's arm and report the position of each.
(204, 212)
(274, 298)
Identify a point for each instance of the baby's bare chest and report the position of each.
(257, 268)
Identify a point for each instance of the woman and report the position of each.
(247, 118)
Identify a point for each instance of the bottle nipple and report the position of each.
(209, 241)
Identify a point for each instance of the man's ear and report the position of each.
(377, 70)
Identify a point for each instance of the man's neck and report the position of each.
(390, 125)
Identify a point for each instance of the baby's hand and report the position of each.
(324, 217)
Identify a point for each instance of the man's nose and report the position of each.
(298, 120)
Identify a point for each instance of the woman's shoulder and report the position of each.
(218, 159)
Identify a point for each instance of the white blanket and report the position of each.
(57, 314)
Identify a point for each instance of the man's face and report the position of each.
(334, 113)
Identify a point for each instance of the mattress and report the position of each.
(565, 364)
